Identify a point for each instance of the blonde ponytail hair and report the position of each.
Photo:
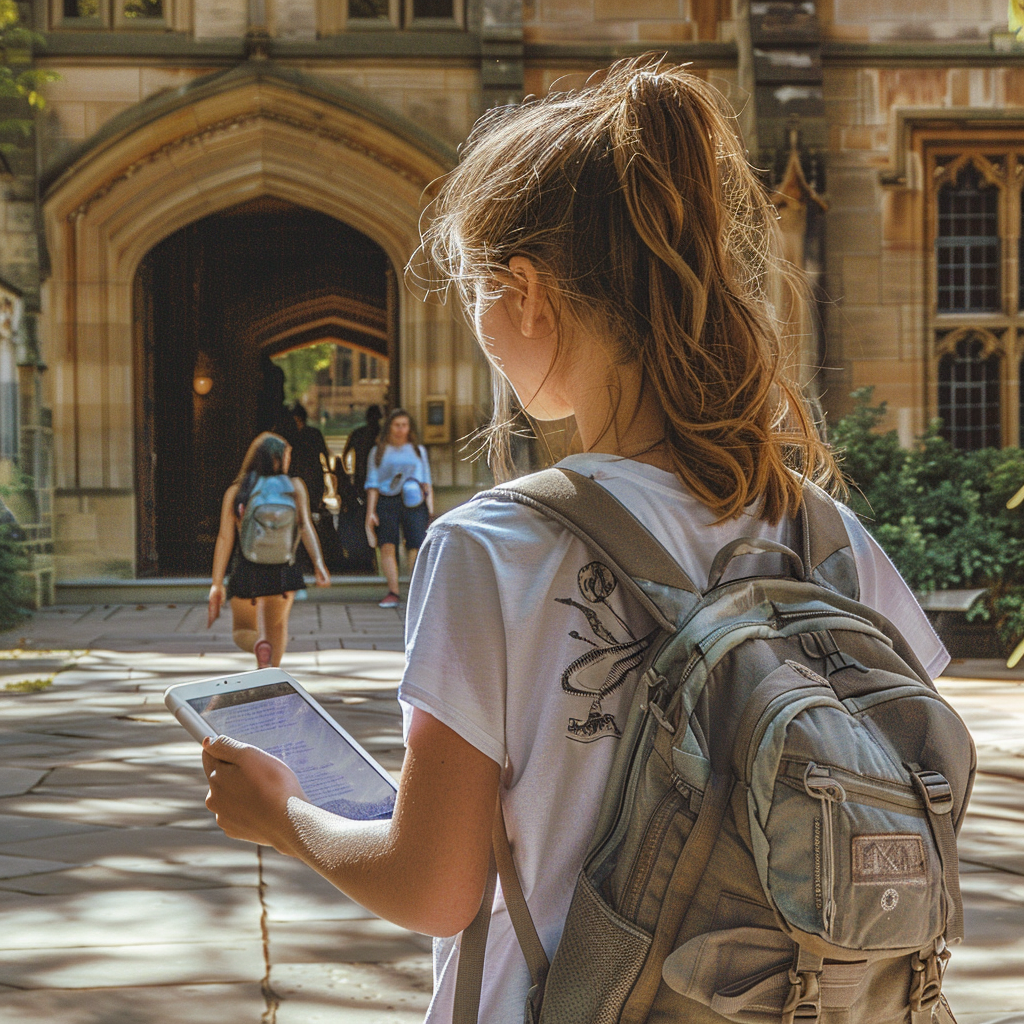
(635, 200)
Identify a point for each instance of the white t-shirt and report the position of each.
(513, 629)
(398, 464)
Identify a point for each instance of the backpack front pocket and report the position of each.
(844, 848)
(742, 974)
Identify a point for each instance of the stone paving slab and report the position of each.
(393, 993)
(18, 867)
(132, 917)
(173, 850)
(17, 827)
(94, 878)
(357, 940)
(228, 958)
(239, 1003)
(14, 781)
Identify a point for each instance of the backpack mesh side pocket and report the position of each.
(597, 963)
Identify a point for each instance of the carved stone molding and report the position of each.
(233, 124)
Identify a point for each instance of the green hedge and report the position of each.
(12, 589)
(939, 513)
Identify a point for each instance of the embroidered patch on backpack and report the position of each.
(885, 859)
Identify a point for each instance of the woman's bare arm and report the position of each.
(309, 538)
(221, 553)
(372, 521)
(225, 535)
(424, 870)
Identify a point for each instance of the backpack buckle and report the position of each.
(804, 1000)
(926, 984)
(936, 791)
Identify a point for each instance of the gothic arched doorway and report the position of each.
(212, 302)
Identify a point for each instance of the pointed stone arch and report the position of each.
(254, 131)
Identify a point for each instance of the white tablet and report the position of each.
(270, 710)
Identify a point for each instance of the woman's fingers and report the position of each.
(249, 791)
(224, 748)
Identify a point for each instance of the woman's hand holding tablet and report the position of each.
(249, 792)
(270, 711)
(291, 778)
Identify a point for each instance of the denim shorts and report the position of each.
(393, 514)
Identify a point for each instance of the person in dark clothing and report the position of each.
(270, 400)
(308, 445)
(361, 442)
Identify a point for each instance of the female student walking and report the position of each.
(261, 594)
(399, 497)
(613, 248)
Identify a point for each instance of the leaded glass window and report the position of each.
(141, 9)
(81, 9)
(443, 9)
(967, 245)
(369, 10)
(969, 396)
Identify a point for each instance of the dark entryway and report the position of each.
(210, 300)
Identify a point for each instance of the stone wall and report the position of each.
(875, 227)
(640, 21)
(918, 20)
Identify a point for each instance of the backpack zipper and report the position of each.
(647, 853)
(894, 794)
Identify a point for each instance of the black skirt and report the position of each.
(251, 579)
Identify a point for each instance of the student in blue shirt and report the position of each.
(399, 497)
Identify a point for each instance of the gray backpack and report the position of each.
(777, 840)
(268, 533)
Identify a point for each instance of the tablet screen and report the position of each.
(332, 773)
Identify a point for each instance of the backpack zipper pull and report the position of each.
(654, 681)
(819, 785)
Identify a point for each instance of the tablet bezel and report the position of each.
(176, 699)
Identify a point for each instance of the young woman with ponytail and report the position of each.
(615, 253)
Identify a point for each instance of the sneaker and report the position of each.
(390, 600)
(263, 652)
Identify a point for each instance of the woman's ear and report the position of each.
(532, 299)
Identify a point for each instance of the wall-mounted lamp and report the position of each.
(202, 374)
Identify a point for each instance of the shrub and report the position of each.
(939, 513)
(12, 591)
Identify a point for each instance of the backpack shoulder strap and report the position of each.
(828, 555)
(605, 525)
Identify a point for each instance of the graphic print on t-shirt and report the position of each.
(603, 668)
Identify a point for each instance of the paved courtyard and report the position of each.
(120, 900)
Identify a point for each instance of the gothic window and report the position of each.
(140, 9)
(81, 9)
(967, 245)
(369, 10)
(976, 311)
(344, 367)
(106, 14)
(436, 10)
(405, 13)
(969, 396)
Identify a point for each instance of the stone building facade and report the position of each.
(892, 131)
